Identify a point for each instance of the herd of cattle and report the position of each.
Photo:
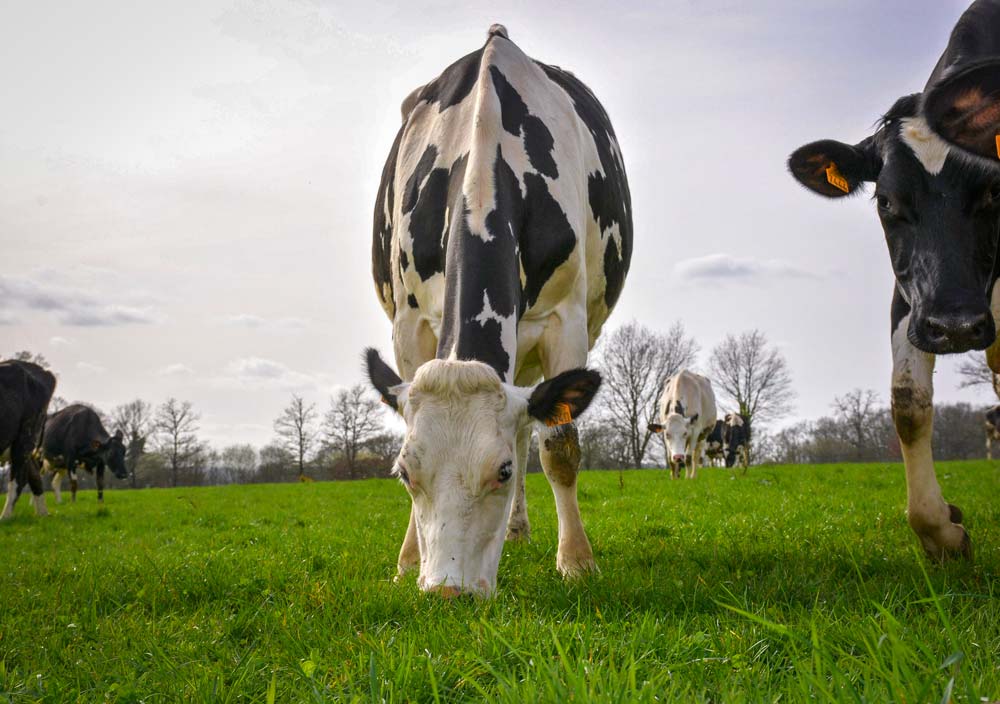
(61, 443)
(502, 240)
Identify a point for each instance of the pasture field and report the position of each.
(789, 584)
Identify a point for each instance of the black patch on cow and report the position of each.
(517, 120)
(455, 82)
(382, 226)
(411, 191)
(404, 260)
(678, 407)
(609, 196)
(411, 300)
(547, 239)
(428, 223)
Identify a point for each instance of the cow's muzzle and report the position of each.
(955, 332)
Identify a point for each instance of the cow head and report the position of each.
(677, 431)
(113, 453)
(993, 418)
(940, 210)
(458, 459)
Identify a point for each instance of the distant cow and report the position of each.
(992, 429)
(715, 443)
(76, 437)
(933, 162)
(736, 438)
(687, 418)
(25, 392)
(502, 237)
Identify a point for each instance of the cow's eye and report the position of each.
(884, 204)
(402, 473)
(505, 472)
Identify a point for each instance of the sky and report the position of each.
(188, 186)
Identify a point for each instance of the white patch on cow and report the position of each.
(930, 150)
(8, 507)
(57, 486)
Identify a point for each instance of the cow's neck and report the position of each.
(482, 296)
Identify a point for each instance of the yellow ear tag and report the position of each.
(837, 180)
(998, 146)
(562, 415)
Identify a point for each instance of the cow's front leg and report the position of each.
(937, 524)
(695, 455)
(12, 494)
(409, 553)
(57, 476)
(518, 527)
(559, 450)
(100, 484)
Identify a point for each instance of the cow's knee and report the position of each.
(912, 411)
(559, 448)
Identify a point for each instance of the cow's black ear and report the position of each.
(964, 108)
(382, 377)
(654, 428)
(695, 417)
(564, 397)
(834, 169)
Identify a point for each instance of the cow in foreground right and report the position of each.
(934, 163)
(25, 392)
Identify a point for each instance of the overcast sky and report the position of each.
(188, 186)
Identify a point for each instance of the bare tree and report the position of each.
(353, 420)
(976, 372)
(176, 428)
(859, 412)
(241, 461)
(753, 375)
(33, 357)
(295, 430)
(134, 420)
(635, 363)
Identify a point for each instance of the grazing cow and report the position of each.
(687, 418)
(715, 444)
(992, 430)
(75, 437)
(25, 392)
(736, 440)
(940, 209)
(502, 237)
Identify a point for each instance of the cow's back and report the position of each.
(694, 394)
(510, 170)
(72, 430)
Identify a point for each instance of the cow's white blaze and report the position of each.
(930, 150)
(462, 425)
(677, 435)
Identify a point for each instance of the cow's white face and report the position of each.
(458, 460)
(676, 434)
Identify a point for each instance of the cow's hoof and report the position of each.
(578, 563)
(949, 541)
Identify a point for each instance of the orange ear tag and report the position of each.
(562, 415)
(998, 146)
(837, 180)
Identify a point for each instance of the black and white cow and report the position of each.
(25, 392)
(687, 416)
(940, 209)
(715, 443)
(74, 437)
(992, 418)
(736, 440)
(502, 237)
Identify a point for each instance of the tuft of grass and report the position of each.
(791, 583)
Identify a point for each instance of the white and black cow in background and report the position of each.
(74, 437)
(933, 161)
(25, 392)
(736, 440)
(502, 236)
(715, 444)
(992, 418)
(687, 417)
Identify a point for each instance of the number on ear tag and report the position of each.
(836, 179)
(562, 415)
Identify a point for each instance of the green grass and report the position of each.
(792, 583)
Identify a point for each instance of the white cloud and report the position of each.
(58, 341)
(256, 322)
(93, 369)
(176, 369)
(71, 306)
(724, 267)
(259, 373)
